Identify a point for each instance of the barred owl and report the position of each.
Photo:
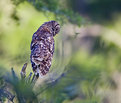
(42, 47)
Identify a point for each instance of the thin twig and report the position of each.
(23, 71)
(34, 79)
(15, 77)
(4, 93)
(28, 79)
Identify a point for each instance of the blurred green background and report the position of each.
(87, 49)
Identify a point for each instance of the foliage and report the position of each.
(78, 75)
(100, 11)
(54, 6)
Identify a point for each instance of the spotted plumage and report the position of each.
(42, 47)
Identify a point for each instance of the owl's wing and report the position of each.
(32, 44)
(41, 57)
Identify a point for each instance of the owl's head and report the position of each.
(52, 27)
(55, 27)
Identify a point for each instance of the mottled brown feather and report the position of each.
(42, 47)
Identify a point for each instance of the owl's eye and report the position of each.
(56, 29)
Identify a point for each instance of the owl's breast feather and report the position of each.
(42, 50)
